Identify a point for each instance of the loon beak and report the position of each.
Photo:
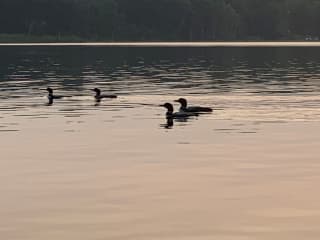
(176, 100)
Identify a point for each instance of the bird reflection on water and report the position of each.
(170, 122)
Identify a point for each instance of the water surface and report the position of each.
(119, 170)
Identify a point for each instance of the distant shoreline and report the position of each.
(176, 44)
(49, 40)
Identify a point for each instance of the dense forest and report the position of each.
(163, 20)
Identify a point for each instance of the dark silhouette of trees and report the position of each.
(162, 20)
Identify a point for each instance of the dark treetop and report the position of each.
(162, 20)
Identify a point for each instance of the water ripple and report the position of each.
(242, 86)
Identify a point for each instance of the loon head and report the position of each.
(97, 91)
(169, 107)
(50, 91)
(182, 101)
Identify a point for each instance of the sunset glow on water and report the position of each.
(118, 170)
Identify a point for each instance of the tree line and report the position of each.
(163, 20)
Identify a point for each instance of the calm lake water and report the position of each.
(118, 170)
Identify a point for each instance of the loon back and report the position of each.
(196, 109)
(99, 96)
(171, 114)
(185, 108)
(108, 96)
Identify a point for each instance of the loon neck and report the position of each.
(169, 114)
(169, 108)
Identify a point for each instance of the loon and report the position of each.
(51, 96)
(99, 96)
(180, 114)
(184, 107)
